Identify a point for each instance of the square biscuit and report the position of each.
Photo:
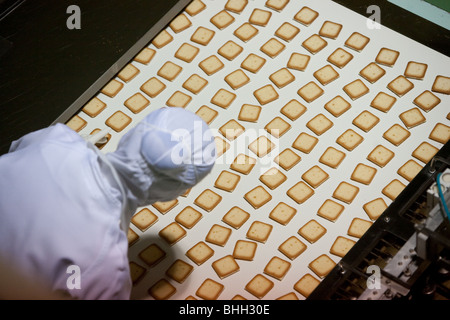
(375, 208)
(310, 92)
(243, 164)
(218, 235)
(277, 5)
(357, 41)
(400, 86)
(441, 84)
(259, 231)
(349, 139)
(409, 170)
(207, 114)
(298, 61)
(260, 17)
(277, 268)
(202, 36)
(132, 237)
(188, 217)
(225, 266)
(330, 29)
(412, 117)
(200, 253)
(187, 52)
(356, 89)
(396, 134)
(366, 121)
(259, 286)
(426, 101)
(178, 99)
(112, 88)
(128, 73)
(237, 79)
(94, 107)
(282, 213)
(305, 142)
(222, 19)
(312, 231)
(137, 272)
(372, 72)
(180, 23)
(195, 7)
(292, 247)
(165, 206)
(236, 217)
(136, 103)
(326, 74)
(169, 71)
(163, 38)
(246, 32)
(145, 56)
(153, 87)
(319, 124)
(152, 254)
(230, 50)
(232, 129)
(208, 200)
(440, 133)
(277, 127)
(314, 44)
(300, 192)
(393, 189)
(380, 155)
(257, 197)
(315, 176)
(261, 146)
(330, 210)
(249, 113)
(245, 250)
(340, 58)
(425, 152)
(383, 101)
(162, 290)
(236, 6)
(306, 285)
(172, 233)
(287, 159)
(227, 181)
(341, 246)
(210, 290)
(272, 47)
(415, 70)
(100, 144)
(322, 265)
(387, 57)
(211, 65)
(118, 121)
(223, 98)
(253, 63)
(332, 157)
(144, 219)
(363, 173)
(306, 16)
(358, 227)
(273, 178)
(266, 94)
(345, 192)
(282, 77)
(287, 31)
(179, 270)
(293, 109)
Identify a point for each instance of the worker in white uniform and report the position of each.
(65, 207)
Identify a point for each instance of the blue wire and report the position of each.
(441, 195)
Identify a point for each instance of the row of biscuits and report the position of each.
(237, 80)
